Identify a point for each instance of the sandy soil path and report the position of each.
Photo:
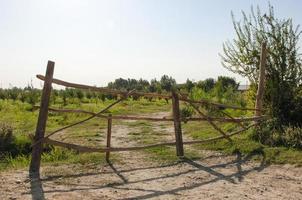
(215, 176)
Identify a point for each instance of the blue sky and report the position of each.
(96, 41)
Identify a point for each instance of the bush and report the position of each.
(11, 145)
(6, 137)
(270, 134)
(282, 98)
(293, 137)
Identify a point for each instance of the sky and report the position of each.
(94, 41)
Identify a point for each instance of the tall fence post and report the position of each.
(109, 126)
(34, 169)
(260, 91)
(177, 124)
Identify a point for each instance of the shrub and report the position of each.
(293, 137)
(11, 145)
(270, 134)
(6, 137)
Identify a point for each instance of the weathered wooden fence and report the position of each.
(176, 97)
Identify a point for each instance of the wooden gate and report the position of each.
(176, 97)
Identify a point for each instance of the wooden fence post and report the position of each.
(34, 169)
(177, 125)
(109, 126)
(260, 91)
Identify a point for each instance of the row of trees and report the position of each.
(166, 84)
(31, 95)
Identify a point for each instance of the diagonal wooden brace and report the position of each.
(211, 122)
(82, 121)
(231, 117)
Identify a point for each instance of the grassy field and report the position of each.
(23, 118)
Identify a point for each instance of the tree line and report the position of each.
(165, 84)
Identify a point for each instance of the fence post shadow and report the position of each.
(123, 178)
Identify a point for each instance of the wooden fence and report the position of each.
(176, 97)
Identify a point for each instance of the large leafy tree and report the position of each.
(283, 65)
(242, 54)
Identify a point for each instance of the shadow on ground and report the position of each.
(194, 166)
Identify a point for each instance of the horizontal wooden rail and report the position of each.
(71, 146)
(203, 101)
(102, 150)
(125, 117)
(184, 97)
(105, 90)
(84, 149)
(221, 119)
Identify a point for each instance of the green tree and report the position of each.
(207, 84)
(167, 83)
(189, 85)
(283, 66)
(227, 82)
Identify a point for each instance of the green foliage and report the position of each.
(282, 99)
(207, 85)
(243, 143)
(6, 137)
(242, 54)
(227, 82)
(223, 91)
(167, 83)
(11, 145)
(199, 93)
(189, 85)
(293, 137)
(186, 111)
(289, 136)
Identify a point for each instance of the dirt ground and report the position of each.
(215, 176)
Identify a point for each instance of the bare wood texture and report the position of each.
(127, 117)
(227, 120)
(177, 124)
(105, 90)
(84, 149)
(218, 105)
(260, 91)
(35, 162)
(109, 125)
(84, 120)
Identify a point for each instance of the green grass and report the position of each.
(57, 156)
(242, 143)
(23, 120)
